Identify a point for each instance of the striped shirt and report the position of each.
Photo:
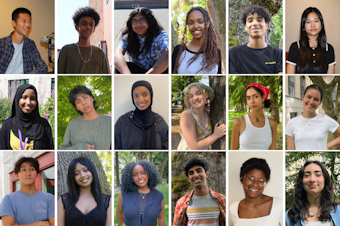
(203, 211)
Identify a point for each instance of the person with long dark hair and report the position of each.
(255, 131)
(256, 208)
(25, 129)
(140, 203)
(141, 128)
(311, 54)
(146, 42)
(84, 204)
(309, 131)
(313, 198)
(201, 55)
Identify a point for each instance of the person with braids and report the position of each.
(313, 202)
(255, 57)
(82, 57)
(140, 203)
(84, 204)
(201, 55)
(309, 131)
(146, 42)
(196, 130)
(256, 208)
(141, 128)
(255, 131)
(311, 54)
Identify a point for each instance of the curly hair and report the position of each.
(203, 91)
(300, 205)
(86, 11)
(153, 31)
(255, 163)
(255, 9)
(208, 47)
(196, 162)
(127, 183)
(266, 103)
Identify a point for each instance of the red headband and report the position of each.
(263, 89)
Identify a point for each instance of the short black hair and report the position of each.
(75, 91)
(86, 11)
(255, 163)
(195, 162)
(255, 9)
(31, 160)
(15, 14)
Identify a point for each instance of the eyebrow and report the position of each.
(251, 17)
(252, 95)
(140, 18)
(316, 171)
(81, 96)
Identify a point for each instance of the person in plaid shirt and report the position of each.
(18, 54)
(202, 206)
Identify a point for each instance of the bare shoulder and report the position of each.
(272, 122)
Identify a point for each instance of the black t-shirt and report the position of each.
(294, 53)
(245, 60)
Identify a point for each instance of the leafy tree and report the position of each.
(101, 90)
(178, 83)
(277, 20)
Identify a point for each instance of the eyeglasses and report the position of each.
(249, 180)
(141, 21)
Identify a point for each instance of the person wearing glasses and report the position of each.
(256, 208)
(146, 43)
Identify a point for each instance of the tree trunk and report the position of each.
(163, 166)
(217, 108)
(217, 173)
(64, 160)
(117, 169)
(141, 155)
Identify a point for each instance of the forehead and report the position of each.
(196, 14)
(140, 89)
(256, 173)
(195, 168)
(313, 92)
(251, 91)
(29, 92)
(80, 95)
(312, 168)
(79, 166)
(24, 16)
(254, 15)
(194, 89)
(26, 164)
(87, 19)
(138, 16)
(138, 168)
(312, 15)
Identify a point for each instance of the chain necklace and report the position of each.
(143, 195)
(85, 61)
(257, 118)
(95, 135)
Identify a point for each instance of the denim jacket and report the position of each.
(335, 218)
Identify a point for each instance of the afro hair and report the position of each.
(255, 9)
(255, 163)
(86, 11)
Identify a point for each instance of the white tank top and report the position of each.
(254, 138)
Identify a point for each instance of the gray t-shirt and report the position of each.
(16, 66)
(26, 208)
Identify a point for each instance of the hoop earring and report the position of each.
(208, 102)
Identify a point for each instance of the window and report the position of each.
(52, 84)
(47, 180)
(13, 86)
(291, 90)
(302, 85)
(293, 114)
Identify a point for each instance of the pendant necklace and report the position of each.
(256, 118)
(85, 61)
(143, 195)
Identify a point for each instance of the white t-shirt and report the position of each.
(275, 217)
(16, 66)
(318, 223)
(194, 67)
(311, 133)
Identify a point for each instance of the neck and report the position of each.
(29, 189)
(199, 111)
(91, 115)
(254, 201)
(309, 114)
(84, 42)
(313, 41)
(314, 200)
(144, 189)
(201, 191)
(85, 191)
(197, 42)
(17, 38)
(257, 113)
(257, 43)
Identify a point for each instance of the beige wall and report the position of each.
(123, 101)
(329, 10)
(42, 22)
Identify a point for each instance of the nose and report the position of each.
(195, 174)
(139, 175)
(195, 24)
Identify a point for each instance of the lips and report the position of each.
(197, 32)
(253, 189)
(27, 108)
(86, 108)
(141, 105)
(85, 180)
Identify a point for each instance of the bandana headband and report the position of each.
(263, 89)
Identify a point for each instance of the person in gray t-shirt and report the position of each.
(27, 206)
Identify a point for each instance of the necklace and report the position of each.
(257, 118)
(95, 135)
(199, 114)
(143, 195)
(85, 61)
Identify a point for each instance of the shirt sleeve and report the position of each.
(163, 40)
(174, 56)
(279, 61)
(293, 54)
(40, 65)
(289, 128)
(232, 62)
(332, 124)
(6, 207)
(118, 140)
(62, 59)
(123, 43)
(330, 55)
(50, 209)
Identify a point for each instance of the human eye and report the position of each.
(135, 175)
(251, 178)
(143, 20)
(143, 172)
(23, 170)
(76, 173)
(261, 180)
(86, 169)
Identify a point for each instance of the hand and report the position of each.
(90, 147)
(219, 131)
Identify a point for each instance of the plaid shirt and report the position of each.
(31, 56)
(181, 218)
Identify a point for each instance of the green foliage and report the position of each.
(233, 41)
(101, 90)
(5, 108)
(106, 161)
(278, 24)
(178, 83)
(179, 183)
(47, 111)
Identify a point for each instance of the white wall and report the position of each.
(122, 94)
(275, 186)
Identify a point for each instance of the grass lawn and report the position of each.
(164, 190)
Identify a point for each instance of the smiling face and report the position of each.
(28, 101)
(254, 99)
(198, 177)
(255, 26)
(82, 175)
(23, 24)
(313, 25)
(140, 176)
(84, 103)
(141, 97)
(86, 27)
(27, 174)
(196, 24)
(313, 179)
(196, 97)
(311, 100)
(253, 183)
(140, 25)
